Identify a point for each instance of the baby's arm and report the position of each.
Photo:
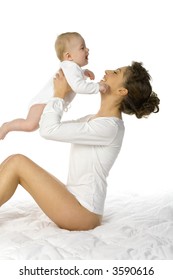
(75, 78)
(89, 74)
(102, 87)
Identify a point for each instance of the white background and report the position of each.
(117, 33)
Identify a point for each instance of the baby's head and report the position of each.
(71, 46)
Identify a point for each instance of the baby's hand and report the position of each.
(89, 74)
(103, 87)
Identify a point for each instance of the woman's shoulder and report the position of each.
(111, 120)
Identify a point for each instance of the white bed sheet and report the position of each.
(134, 227)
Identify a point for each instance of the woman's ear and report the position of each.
(123, 91)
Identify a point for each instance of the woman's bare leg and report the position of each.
(29, 124)
(49, 193)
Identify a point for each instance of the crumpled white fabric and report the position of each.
(134, 228)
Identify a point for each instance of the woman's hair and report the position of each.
(62, 43)
(140, 100)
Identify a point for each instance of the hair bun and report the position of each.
(151, 105)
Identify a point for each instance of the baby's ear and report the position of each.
(67, 56)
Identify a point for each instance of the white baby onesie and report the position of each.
(75, 78)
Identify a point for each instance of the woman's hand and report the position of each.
(61, 87)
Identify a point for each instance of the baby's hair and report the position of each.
(140, 100)
(62, 43)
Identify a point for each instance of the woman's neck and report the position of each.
(109, 110)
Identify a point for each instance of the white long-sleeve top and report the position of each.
(95, 144)
(75, 78)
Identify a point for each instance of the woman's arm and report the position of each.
(95, 132)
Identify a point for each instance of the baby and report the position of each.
(73, 54)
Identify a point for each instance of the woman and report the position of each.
(96, 141)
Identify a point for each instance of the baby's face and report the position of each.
(78, 51)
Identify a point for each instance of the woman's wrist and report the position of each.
(59, 95)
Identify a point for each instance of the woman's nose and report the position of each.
(108, 72)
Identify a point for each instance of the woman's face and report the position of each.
(114, 78)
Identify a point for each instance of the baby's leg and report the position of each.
(29, 124)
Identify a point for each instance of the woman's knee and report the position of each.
(15, 159)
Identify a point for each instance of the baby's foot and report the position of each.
(3, 131)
